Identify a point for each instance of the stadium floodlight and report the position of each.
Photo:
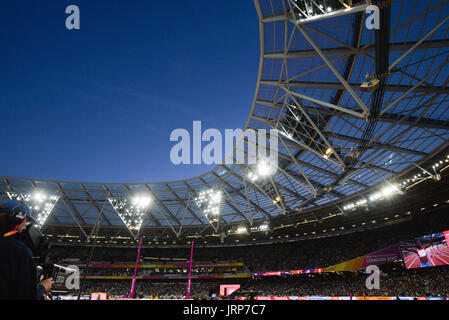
(132, 210)
(387, 191)
(40, 203)
(141, 202)
(242, 230)
(252, 176)
(263, 227)
(209, 202)
(313, 10)
(263, 168)
(390, 190)
(277, 199)
(328, 153)
(375, 196)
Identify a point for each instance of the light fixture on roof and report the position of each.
(387, 191)
(131, 210)
(209, 202)
(313, 10)
(242, 230)
(390, 190)
(40, 203)
(141, 202)
(252, 176)
(277, 199)
(263, 169)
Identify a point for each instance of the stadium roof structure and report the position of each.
(337, 139)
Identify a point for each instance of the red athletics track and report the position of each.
(437, 255)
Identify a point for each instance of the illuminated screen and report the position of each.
(227, 289)
(426, 251)
(99, 296)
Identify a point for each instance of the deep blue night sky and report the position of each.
(98, 104)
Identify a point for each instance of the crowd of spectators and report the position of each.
(432, 282)
(429, 282)
(306, 254)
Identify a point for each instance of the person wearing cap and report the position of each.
(18, 272)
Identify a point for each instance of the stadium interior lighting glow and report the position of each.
(252, 176)
(392, 189)
(328, 153)
(40, 203)
(263, 169)
(385, 192)
(263, 227)
(277, 199)
(209, 201)
(131, 211)
(242, 230)
(318, 9)
(141, 202)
